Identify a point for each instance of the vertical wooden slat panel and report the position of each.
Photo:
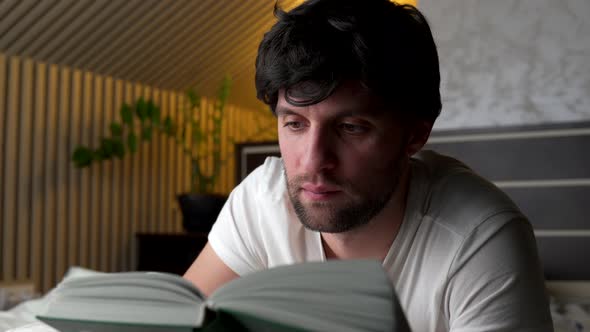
(95, 197)
(231, 132)
(163, 199)
(141, 169)
(86, 194)
(251, 125)
(210, 142)
(239, 125)
(227, 149)
(138, 207)
(202, 146)
(182, 185)
(105, 178)
(61, 216)
(169, 155)
(181, 162)
(186, 165)
(129, 194)
(155, 169)
(245, 123)
(206, 138)
(117, 252)
(239, 122)
(174, 209)
(74, 175)
(37, 195)
(136, 186)
(146, 158)
(62, 166)
(3, 128)
(222, 183)
(211, 145)
(222, 148)
(176, 170)
(10, 170)
(236, 129)
(49, 243)
(232, 135)
(23, 192)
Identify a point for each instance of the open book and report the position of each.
(352, 295)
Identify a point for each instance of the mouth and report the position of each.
(319, 192)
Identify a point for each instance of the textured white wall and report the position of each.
(512, 62)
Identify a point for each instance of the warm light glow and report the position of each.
(288, 5)
(408, 2)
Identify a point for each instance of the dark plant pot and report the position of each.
(199, 211)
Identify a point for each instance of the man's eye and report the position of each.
(353, 129)
(294, 125)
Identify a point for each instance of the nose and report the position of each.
(319, 151)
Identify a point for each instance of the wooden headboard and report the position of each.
(545, 169)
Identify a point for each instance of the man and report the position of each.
(355, 88)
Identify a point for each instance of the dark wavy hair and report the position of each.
(388, 47)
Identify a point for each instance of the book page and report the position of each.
(130, 298)
(328, 296)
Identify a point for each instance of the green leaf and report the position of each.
(127, 114)
(149, 108)
(197, 134)
(155, 114)
(106, 145)
(132, 142)
(116, 129)
(82, 157)
(98, 155)
(146, 133)
(141, 109)
(183, 134)
(193, 98)
(118, 148)
(168, 126)
(224, 90)
(104, 151)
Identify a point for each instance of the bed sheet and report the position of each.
(22, 317)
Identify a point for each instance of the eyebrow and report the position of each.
(282, 111)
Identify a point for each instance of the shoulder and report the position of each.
(459, 199)
(267, 178)
(240, 236)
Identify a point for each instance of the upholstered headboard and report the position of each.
(544, 168)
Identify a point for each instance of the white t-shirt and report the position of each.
(464, 259)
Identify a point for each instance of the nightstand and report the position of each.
(168, 252)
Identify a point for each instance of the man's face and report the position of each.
(343, 158)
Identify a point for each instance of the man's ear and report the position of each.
(417, 136)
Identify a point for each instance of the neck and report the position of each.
(373, 240)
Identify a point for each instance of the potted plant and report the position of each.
(141, 120)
